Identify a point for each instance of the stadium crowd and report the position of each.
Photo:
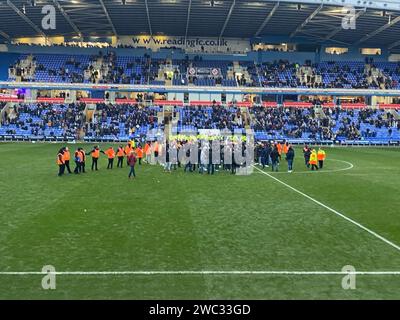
(121, 122)
(110, 68)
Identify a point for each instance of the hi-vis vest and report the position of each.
(110, 153)
(66, 156)
(285, 148)
(96, 153)
(120, 152)
(128, 150)
(147, 149)
(313, 158)
(139, 152)
(60, 159)
(321, 155)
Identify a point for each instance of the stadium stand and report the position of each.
(110, 68)
(124, 121)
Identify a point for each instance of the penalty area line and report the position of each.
(376, 235)
(199, 272)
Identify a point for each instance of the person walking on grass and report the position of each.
(275, 158)
(128, 149)
(77, 159)
(313, 160)
(321, 155)
(83, 159)
(147, 152)
(60, 162)
(139, 153)
(95, 153)
(131, 164)
(67, 158)
(120, 156)
(307, 154)
(110, 152)
(290, 158)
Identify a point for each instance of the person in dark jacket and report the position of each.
(263, 155)
(268, 151)
(290, 158)
(275, 158)
(307, 154)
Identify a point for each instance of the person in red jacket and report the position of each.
(131, 164)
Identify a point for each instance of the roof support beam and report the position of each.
(338, 29)
(267, 19)
(310, 17)
(228, 17)
(108, 18)
(188, 19)
(4, 35)
(26, 19)
(379, 30)
(394, 44)
(148, 17)
(66, 16)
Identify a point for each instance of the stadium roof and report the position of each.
(377, 24)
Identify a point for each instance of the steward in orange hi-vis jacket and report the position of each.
(321, 155)
(95, 153)
(83, 163)
(147, 151)
(110, 152)
(139, 153)
(67, 158)
(120, 156)
(279, 148)
(128, 149)
(60, 162)
(285, 147)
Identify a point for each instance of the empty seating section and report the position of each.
(60, 68)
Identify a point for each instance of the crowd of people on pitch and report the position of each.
(270, 153)
(189, 153)
(205, 154)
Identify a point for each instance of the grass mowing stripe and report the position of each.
(333, 210)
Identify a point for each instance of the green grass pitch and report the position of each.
(101, 221)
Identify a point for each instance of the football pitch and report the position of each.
(191, 236)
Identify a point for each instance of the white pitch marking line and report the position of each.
(333, 210)
(350, 166)
(201, 272)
